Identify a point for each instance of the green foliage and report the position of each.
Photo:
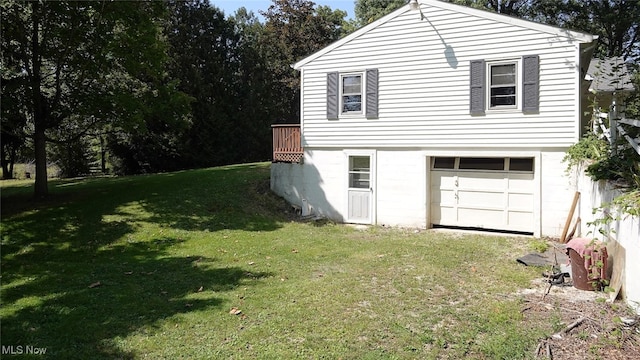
(539, 245)
(73, 158)
(368, 11)
(589, 149)
(80, 68)
(614, 167)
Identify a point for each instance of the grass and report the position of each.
(152, 267)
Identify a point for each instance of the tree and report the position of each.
(506, 7)
(80, 66)
(12, 123)
(368, 11)
(205, 60)
(295, 29)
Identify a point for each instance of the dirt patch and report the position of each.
(583, 323)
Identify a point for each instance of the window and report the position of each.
(444, 162)
(351, 93)
(502, 83)
(468, 163)
(359, 172)
(521, 164)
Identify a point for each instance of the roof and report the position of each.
(609, 75)
(552, 30)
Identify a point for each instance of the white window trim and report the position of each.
(363, 94)
(518, 83)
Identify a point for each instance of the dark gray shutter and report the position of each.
(477, 85)
(333, 91)
(372, 93)
(530, 83)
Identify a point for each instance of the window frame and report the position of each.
(362, 93)
(517, 84)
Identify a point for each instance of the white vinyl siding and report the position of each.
(423, 85)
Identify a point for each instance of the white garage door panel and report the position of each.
(480, 181)
(502, 200)
(488, 219)
(473, 198)
(521, 182)
(522, 202)
(520, 219)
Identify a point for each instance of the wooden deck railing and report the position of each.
(287, 146)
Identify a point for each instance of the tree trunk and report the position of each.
(40, 146)
(103, 156)
(6, 174)
(41, 187)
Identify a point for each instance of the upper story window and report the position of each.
(512, 84)
(351, 100)
(352, 94)
(503, 84)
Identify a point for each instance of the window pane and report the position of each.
(503, 96)
(351, 84)
(359, 168)
(359, 163)
(521, 164)
(481, 164)
(444, 162)
(351, 103)
(503, 74)
(359, 180)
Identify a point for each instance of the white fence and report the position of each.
(616, 127)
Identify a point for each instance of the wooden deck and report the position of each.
(287, 145)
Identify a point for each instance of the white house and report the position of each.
(440, 115)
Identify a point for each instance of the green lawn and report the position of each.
(207, 264)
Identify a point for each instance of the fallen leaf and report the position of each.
(95, 284)
(235, 311)
(473, 269)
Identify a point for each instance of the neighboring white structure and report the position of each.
(441, 115)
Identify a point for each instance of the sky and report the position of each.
(230, 6)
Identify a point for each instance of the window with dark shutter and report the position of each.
(500, 85)
(477, 92)
(333, 97)
(530, 83)
(352, 94)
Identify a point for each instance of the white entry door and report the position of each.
(360, 189)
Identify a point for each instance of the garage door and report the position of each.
(480, 192)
